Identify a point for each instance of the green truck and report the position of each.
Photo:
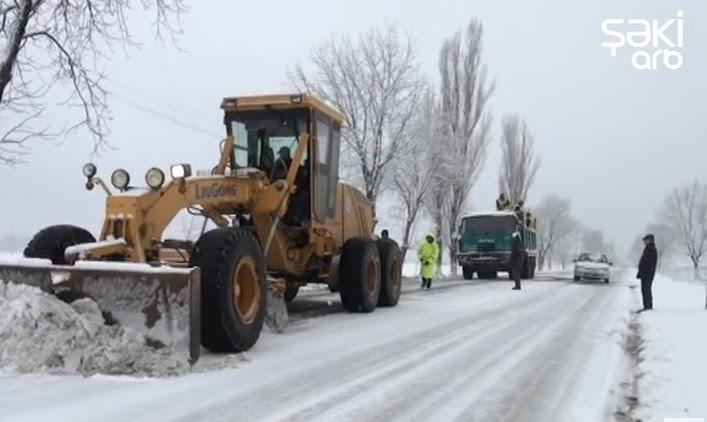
(484, 244)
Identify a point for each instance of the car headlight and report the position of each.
(180, 171)
(120, 179)
(89, 170)
(154, 178)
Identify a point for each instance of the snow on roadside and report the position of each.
(40, 333)
(672, 366)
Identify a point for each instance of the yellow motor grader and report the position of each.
(283, 220)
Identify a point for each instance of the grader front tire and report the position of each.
(234, 293)
(51, 242)
(359, 275)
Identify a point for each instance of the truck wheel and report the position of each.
(233, 277)
(51, 242)
(493, 275)
(390, 265)
(468, 272)
(359, 275)
(291, 290)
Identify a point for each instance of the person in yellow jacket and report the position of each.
(428, 253)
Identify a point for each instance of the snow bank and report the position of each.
(672, 364)
(40, 333)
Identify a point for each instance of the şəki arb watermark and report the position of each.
(657, 44)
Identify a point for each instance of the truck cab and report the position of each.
(484, 244)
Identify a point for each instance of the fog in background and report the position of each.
(611, 138)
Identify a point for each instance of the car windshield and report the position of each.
(589, 257)
(261, 137)
(489, 224)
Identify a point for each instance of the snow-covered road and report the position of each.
(461, 352)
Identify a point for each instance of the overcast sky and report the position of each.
(611, 138)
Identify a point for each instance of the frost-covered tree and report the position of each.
(58, 48)
(376, 83)
(555, 223)
(519, 165)
(685, 211)
(465, 121)
(413, 172)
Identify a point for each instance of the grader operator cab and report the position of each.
(283, 220)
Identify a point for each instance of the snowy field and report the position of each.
(672, 368)
(464, 351)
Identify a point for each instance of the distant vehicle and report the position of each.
(485, 243)
(592, 266)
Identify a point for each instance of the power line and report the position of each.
(163, 115)
(182, 112)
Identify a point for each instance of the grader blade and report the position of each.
(163, 304)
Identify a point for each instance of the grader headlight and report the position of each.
(89, 170)
(154, 178)
(180, 171)
(120, 179)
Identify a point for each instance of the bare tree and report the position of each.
(568, 247)
(376, 83)
(519, 166)
(413, 172)
(57, 46)
(465, 119)
(554, 224)
(685, 210)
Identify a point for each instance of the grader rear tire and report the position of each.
(390, 265)
(359, 275)
(234, 293)
(51, 242)
(468, 272)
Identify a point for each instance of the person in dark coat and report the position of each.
(646, 271)
(516, 260)
(502, 203)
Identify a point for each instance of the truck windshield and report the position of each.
(489, 224)
(262, 138)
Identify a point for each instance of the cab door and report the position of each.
(325, 165)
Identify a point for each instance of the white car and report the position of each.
(592, 266)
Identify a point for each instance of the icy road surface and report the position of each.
(462, 351)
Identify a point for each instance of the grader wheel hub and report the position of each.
(246, 290)
(372, 276)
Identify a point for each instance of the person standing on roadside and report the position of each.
(428, 253)
(516, 259)
(646, 271)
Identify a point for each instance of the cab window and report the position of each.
(263, 138)
(326, 168)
